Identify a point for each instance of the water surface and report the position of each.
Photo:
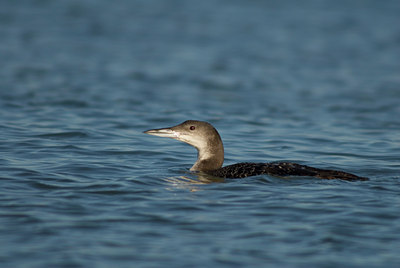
(82, 186)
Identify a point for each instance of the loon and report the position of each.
(210, 156)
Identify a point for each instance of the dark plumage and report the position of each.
(205, 138)
(280, 169)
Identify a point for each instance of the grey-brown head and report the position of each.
(201, 135)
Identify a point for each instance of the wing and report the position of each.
(281, 169)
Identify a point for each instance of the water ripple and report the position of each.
(64, 135)
(82, 186)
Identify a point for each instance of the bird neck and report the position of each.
(210, 157)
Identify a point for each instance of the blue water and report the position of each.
(81, 186)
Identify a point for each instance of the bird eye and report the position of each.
(192, 128)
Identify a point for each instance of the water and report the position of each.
(82, 186)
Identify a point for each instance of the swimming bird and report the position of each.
(210, 156)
